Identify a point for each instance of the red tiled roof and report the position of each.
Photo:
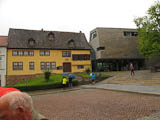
(3, 40)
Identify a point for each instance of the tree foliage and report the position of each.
(149, 31)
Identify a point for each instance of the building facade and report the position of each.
(115, 49)
(3, 59)
(31, 52)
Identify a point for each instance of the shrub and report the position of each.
(88, 70)
(47, 75)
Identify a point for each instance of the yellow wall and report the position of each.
(55, 56)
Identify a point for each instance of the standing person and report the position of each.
(70, 80)
(92, 77)
(132, 69)
(16, 105)
(64, 82)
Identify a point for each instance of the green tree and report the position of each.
(149, 31)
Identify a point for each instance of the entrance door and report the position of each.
(66, 67)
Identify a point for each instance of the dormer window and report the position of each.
(71, 44)
(31, 42)
(51, 36)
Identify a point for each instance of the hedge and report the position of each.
(44, 87)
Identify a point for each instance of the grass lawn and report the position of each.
(41, 81)
(85, 75)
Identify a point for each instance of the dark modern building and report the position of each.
(115, 49)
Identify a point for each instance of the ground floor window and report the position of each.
(17, 65)
(31, 65)
(48, 65)
(80, 67)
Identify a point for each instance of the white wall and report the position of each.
(3, 59)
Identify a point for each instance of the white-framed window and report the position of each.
(53, 65)
(48, 65)
(66, 53)
(17, 65)
(14, 53)
(31, 65)
(25, 53)
(44, 53)
(22, 53)
(31, 53)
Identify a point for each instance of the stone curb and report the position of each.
(128, 91)
(54, 92)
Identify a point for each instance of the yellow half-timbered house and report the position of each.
(31, 52)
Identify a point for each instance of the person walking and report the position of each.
(132, 69)
(71, 76)
(92, 77)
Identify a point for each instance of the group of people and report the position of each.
(66, 82)
(17, 105)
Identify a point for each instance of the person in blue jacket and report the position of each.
(92, 77)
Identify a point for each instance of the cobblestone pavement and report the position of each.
(94, 104)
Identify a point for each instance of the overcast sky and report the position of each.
(70, 15)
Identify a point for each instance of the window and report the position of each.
(31, 53)
(53, 65)
(51, 36)
(127, 33)
(47, 53)
(44, 53)
(25, 53)
(80, 67)
(14, 53)
(22, 53)
(42, 66)
(41, 53)
(31, 42)
(100, 48)
(48, 65)
(134, 33)
(80, 57)
(17, 65)
(71, 44)
(59, 68)
(66, 54)
(31, 65)
(93, 35)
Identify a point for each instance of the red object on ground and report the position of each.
(4, 90)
